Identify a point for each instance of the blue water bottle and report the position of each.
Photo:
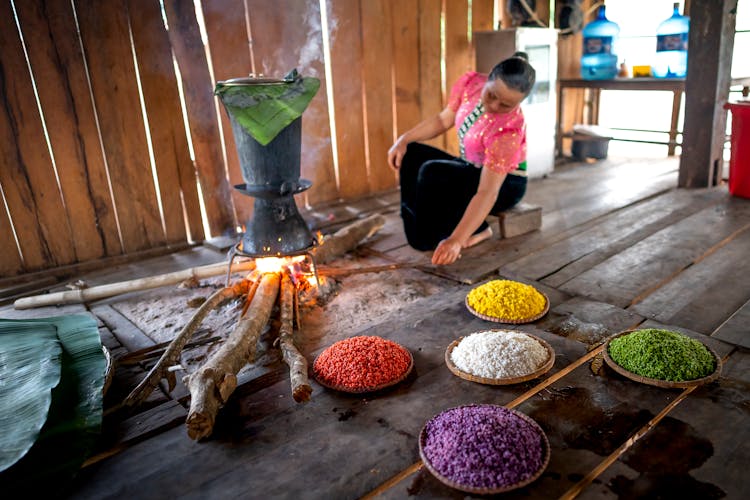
(672, 46)
(599, 61)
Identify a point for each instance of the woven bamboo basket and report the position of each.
(362, 390)
(544, 368)
(655, 381)
(489, 491)
(507, 320)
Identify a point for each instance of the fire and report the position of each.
(270, 264)
(300, 269)
(276, 264)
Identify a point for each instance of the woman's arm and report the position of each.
(427, 129)
(479, 207)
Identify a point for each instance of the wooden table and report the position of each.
(674, 85)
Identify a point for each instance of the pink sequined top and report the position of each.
(496, 141)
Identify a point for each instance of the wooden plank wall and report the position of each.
(114, 144)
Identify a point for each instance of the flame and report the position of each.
(270, 264)
(276, 264)
(319, 236)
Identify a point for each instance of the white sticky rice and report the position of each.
(499, 354)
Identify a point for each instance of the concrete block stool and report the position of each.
(521, 219)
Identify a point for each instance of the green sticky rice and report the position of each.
(663, 355)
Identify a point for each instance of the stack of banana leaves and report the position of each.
(52, 375)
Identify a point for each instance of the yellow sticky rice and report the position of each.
(506, 299)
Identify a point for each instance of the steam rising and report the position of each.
(309, 61)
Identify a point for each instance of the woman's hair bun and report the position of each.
(522, 55)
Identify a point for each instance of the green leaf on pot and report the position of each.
(264, 110)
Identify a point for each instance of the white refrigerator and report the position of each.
(540, 107)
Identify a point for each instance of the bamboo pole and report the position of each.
(110, 290)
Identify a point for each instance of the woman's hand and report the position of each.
(396, 153)
(447, 252)
(424, 130)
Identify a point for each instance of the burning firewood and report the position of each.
(211, 385)
(297, 363)
(347, 238)
(171, 355)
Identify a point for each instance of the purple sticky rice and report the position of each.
(483, 446)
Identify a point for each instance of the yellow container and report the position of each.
(641, 71)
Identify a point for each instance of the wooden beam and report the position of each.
(710, 43)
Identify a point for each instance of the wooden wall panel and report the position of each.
(458, 58)
(405, 19)
(177, 182)
(26, 172)
(392, 64)
(68, 46)
(230, 58)
(377, 65)
(10, 260)
(482, 14)
(54, 53)
(346, 72)
(106, 41)
(189, 51)
(286, 35)
(431, 91)
(542, 12)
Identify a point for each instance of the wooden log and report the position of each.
(215, 381)
(297, 363)
(347, 238)
(172, 354)
(110, 290)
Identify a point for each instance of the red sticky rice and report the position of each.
(361, 363)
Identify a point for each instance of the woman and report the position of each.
(444, 199)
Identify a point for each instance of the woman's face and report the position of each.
(499, 98)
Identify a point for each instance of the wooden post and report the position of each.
(710, 44)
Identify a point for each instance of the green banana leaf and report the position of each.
(30, 360)
(73, 423)
(264, 110)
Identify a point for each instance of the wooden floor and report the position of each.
(620, 248)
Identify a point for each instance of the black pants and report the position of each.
(436, 188)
